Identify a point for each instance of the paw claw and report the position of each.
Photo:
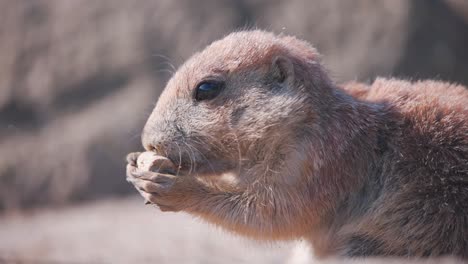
(132, 158)
(163, 190)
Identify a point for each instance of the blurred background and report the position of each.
(78, 78)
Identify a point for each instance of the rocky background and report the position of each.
(78, 78)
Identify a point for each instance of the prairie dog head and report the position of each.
(239, 104)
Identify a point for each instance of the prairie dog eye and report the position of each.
(208, 90)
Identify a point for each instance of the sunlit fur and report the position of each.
(284, 153)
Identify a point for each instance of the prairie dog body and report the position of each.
(269, 147)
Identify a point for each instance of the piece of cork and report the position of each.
(150, 161)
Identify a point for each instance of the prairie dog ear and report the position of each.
(282, 69)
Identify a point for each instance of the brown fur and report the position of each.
(283, 153)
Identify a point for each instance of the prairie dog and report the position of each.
(269, 147)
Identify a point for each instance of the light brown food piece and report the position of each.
(150, 161)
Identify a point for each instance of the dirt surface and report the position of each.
(124, 231)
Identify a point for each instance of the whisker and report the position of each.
(191, 158)
(213, 141)
(169, 71)
(203, 156)
(239, 157)
(167, 61)
(180, 159)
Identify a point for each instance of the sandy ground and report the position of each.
(124, 231)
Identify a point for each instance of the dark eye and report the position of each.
(208, 90)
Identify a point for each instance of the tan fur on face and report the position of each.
(283, 153)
